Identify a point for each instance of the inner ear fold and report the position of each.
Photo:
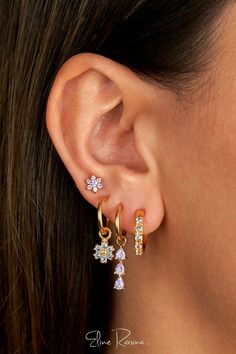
(111, 144)
(95, 105)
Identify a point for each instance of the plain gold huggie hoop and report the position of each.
(120, 235)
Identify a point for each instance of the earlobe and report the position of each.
(95, 114)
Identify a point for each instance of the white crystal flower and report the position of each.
(103, 252)
(94, 183)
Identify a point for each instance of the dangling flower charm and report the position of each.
(104, 252)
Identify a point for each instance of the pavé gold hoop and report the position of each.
(104, 252)
(120, 253)
(139, 236)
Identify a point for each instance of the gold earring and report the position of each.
(120, 253)
(139, 235)
(104, 252)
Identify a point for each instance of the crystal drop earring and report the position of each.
(120, 253)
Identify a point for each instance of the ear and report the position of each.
(100, 118)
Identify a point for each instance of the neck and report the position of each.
(164, 306)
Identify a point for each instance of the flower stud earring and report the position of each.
(94, 183)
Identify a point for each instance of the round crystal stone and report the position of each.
(138, 237)
(139, 219)
(138, 246)
(139, 228)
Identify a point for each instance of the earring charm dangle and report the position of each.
(104, 252)
(139, 236)
(120, 253)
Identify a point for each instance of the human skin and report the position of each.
(180, 296)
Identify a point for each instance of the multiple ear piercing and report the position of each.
(104, 251)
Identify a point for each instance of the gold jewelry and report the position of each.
(139, 235)
(103, 252)
(120, 253)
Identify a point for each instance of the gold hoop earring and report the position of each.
(139, 235)
(120, 253)
(104, 252)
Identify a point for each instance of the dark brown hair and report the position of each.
(51, 291)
